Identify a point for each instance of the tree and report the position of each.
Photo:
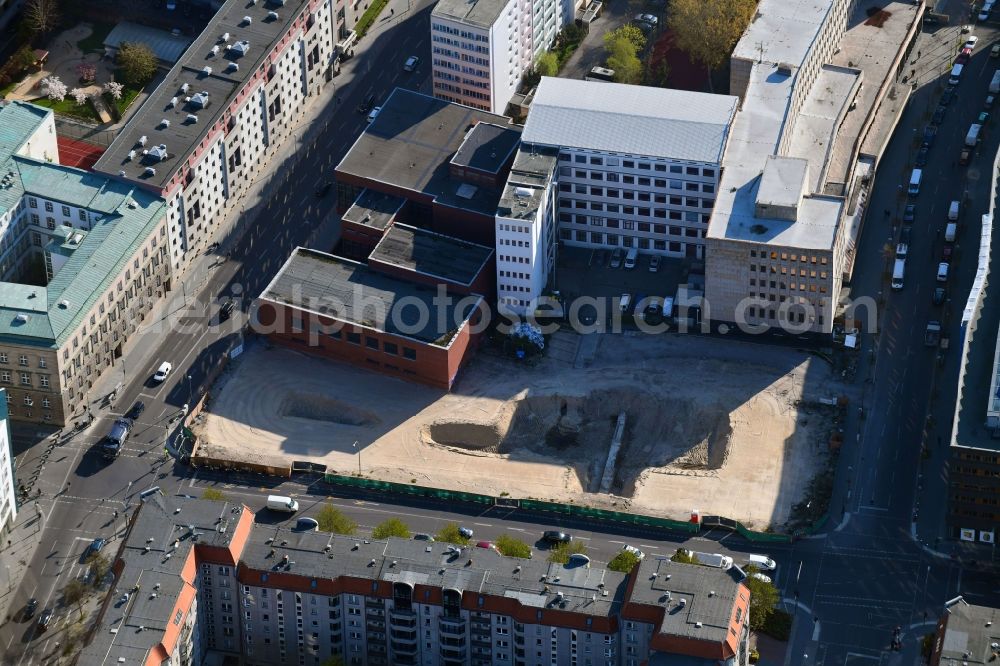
(450, 534)
(548, 64)
(512, 547)
(74, 593)
(630, 33)
(79, 95)
(623, 46)
(332, 519)
(683, 556)
(41, 16)
(137, 63)
(213, 494)
(707, 30)
(23, 58)
(764, 598)
(87, 72)
(391, 527)
(561, 552)
(100, 565)
(54, 88)
(624, 562)
(114, 89)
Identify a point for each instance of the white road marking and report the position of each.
(483, 524)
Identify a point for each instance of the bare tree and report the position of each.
(41, 16)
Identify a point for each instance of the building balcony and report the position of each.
(400, 649)
(407, 636)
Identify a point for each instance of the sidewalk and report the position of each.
(23, 540)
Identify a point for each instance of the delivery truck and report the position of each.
(716, 560)
(995, 82)
(972, 138)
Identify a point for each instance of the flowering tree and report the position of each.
(79, 94)
(87, 72)
(114, 89)
(54, 88)
(526, 339)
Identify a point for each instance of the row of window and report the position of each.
(627, 179)
(614, 240)
(22, 360)
(50, 208)
(628, 195)
(371, 342)
(597, 160)
(645, 227)
(784, 315)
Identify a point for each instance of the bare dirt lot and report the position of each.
(727, 428)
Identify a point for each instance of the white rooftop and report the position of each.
(632, 120)
(782, 33)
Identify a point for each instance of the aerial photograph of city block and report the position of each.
(499, 332)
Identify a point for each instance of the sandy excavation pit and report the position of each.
(726, 436)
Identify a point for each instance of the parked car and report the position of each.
(421, 536)
(946, 253)
(367, 105)
(904, 235)
(761, 577)
(555, 536)
(323, 189)
(94, 547)
(410, 64)
(942, 271)
(635, 551)
(947, 96)
(654, 263)
(940, 296)
(617, 255)
(921, 160)
(910, 212)
(30, 608)
(488, 545)
(227, 308)
(938, 116)
(995, 51)
(963, 57)
(137, 409)
(647, 18)
(162, 372)
(988, 102)
(465, 532)
(45, 619)
(965, 156)
(983, 117)
(929, 133)
(970, 43)
(373, 114)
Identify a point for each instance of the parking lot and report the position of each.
(585, 272)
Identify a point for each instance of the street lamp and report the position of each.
(190, 395)
(355, 445)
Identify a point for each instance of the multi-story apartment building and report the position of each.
(8, 470)
(619, 166)
(481, 49)
(225, 106)
(200, 580)
(83, 258)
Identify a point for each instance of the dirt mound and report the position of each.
(473, 436)
(320, 408)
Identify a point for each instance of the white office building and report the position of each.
(481, 48)
(630, 167)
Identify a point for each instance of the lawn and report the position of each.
(7, 88)
(122, 105)
(368, 18)
(69, 107)
(95, 40)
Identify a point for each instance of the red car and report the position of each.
(486, 544)
(946, 253)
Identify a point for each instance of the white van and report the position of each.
(631, 257)
(956, 75)
(950, 231)
(942, 274)
(915, 177)
(953, 211)
(282, 503)
(897, 274)
(762, 562)
(625, 301)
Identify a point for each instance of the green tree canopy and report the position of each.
(449, 534)
(137, 63)
(764, 599)
(391, 527)
(624, 562)
(628, 32)
(74, 593)
(683, 556)
(332, 519)
(548, 64)
(512, 547)
(622, 47)
(213, 494)
(707, 30)
(561, 552)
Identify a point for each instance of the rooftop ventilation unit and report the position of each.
(784, 68)
(272, 16)
(22, 318)
(207, 71)
(522, 191)
(64, 304)
(142, 140)
(122, 173)
(698, 625)
(683, 602)
(191, 118)
(185, 87)
(131, 155)
(225, 37)
(200, 100)
(159, 152)
(233, 67)
(164, 123)
(247, 20)
(241, 47)
(150, 171)
(215, 50)
(173, 102)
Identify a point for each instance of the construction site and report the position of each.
(659, 425)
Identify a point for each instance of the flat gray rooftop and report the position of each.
(708, 593)
(167, 47)
(182, 135)
(487, 148)
(432, 254)
(350, 292)
(533, 168)
(410, 145)
(970, 634)
(480, 13)
(373, 209)
(632, 120)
